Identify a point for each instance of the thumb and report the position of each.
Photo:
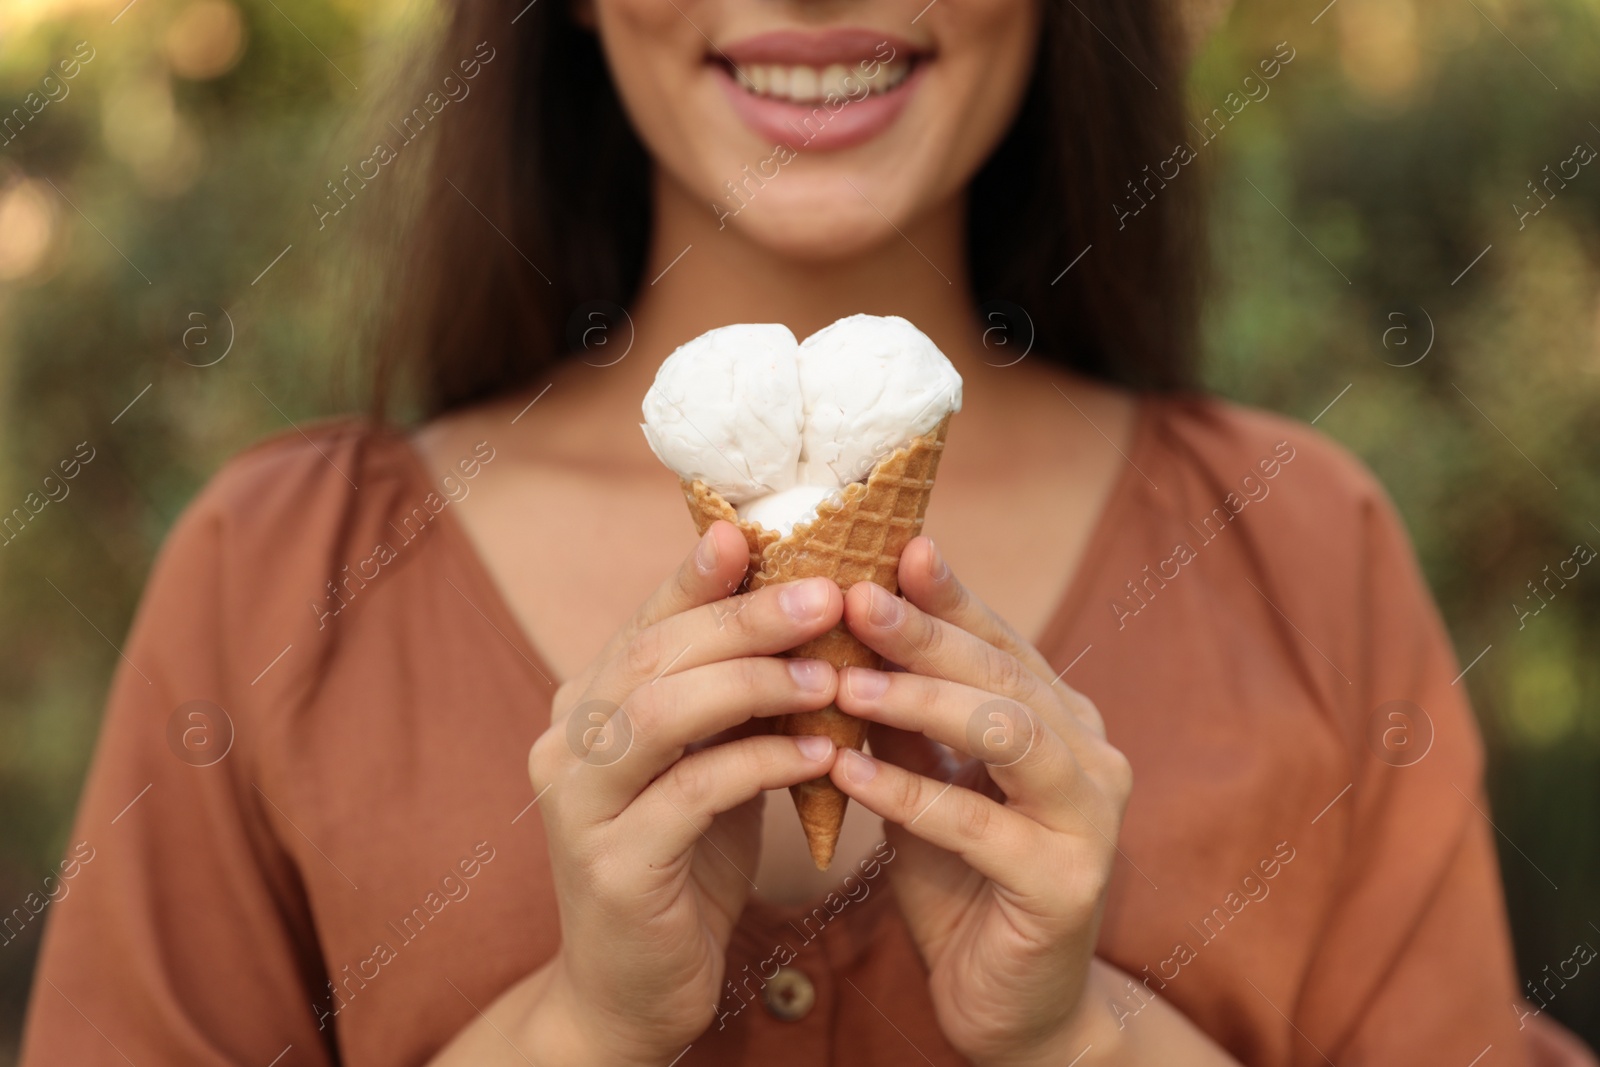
(712, 571)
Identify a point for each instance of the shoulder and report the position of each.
(1302, 534)
(1225, 442)
(1301, 492)
(284, 500)
(308, 465)
(260, 546)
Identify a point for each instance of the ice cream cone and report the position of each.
(857, 539)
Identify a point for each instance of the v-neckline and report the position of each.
(495, 604)
(1121, 495)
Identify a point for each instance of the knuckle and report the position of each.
(645, 709)
(962, 604)
(545, 757)
(907, 793)
(695, 781)
(973, 818)
(1028, 745)
(1094, 878)
(539, 760)
(760, 760)
(643, 652)
(1090, 714)
(566, 697)
(604, 875)
(739, 622)
(927, 633)
(746, 675)
(1119, 775)
(1004, 673)
(729, 610)
(920, 690)
(914, 689)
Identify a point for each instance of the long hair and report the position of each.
(534, 199)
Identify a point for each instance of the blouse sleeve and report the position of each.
(183, 937)
(1414, 964)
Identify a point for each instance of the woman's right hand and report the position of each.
(651, 848)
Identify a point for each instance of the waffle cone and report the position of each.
(858, 539)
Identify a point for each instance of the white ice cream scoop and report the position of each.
(776, 426)
(726, 409)
(869, 384)
(786, 510)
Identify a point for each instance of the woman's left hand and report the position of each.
(1001, 867)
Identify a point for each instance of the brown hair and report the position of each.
(546, 156)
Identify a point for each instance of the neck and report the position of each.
(725, 277)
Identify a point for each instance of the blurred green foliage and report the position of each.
(1397, 144)
(1351, 206)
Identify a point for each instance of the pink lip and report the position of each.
(814, 126)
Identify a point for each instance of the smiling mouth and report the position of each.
(804, 84)
(820, 90)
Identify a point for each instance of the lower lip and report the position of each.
(812, 127)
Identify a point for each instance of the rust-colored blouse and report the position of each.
(311, 836)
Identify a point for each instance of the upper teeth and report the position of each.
(805, 84)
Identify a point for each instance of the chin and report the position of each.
(819, 244)
(816, 220)
(819, 140)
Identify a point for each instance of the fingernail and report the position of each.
(804, 601)
(814, 748)
(809, 674)
(705, 554)
(859, 768)
(938, 569)
(887, 610)
(866, 683)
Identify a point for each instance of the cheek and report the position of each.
(656, 61)
(988, 65)
(972, 92)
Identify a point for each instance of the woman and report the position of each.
(352, 803)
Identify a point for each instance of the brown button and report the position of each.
(789, 995)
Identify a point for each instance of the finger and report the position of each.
(766, 622)
(926, 757)
(1001, 844)
(672, 815)
(927, 581)
(712, 571)
(1028, 760)
(905, 634)
(626, 747)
